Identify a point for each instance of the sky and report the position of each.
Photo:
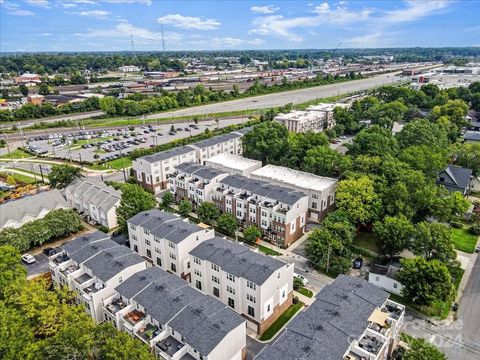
(109, 25)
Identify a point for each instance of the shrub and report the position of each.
(295, 300)
(474, 229)
(456, 225)
(103, 229)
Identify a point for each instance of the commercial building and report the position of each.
(320, 189)
(279, 212)
(16, 213)
(257, 286)
(166, 239)
(93, 198)
(194, 182)
(152, 171)
(92, 266)
(174, 319)
(233, 164)
(128, 68)
(350, 319)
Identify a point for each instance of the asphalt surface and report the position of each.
(40, 266)
(80, 116)
(253, 347)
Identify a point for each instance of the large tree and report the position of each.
(419, 349)
(423, 132)
(12, 272)
(358, 199)
(62, 175)
(468, 155)
(185, 207)
(267, 142)
(425, 282)
(134, 200)
(433, 241)
(227, 223)
(207, 212)
(251, 234)
(394, 233)
(428, 160)
(375, 141)
(323, 161)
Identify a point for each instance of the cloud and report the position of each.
(474, 29)
(267, 9)
(283, 27)
(100, 14)
(375, 39)
(40, 3)
(68, 5)
(188, 22)
(415, 10)
(234, 42)
(14, 9)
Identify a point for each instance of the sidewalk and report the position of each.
(305, 299)
(466, 274)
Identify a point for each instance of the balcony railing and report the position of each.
(149, 331)
(134, 317)
(115, 306)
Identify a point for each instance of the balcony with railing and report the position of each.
(393, 309)
(115, 305)
(148, 332)
(169, 347)
(134, 317)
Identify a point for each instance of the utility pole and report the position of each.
(163, 38)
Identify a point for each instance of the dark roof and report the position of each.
(338, 316)
(263, 188)
(145, 216)
(167, 154)
(472, 135)
(83, 240)
(388, 271)
(109, 263)
(201, 171)
(140, 280)
(91, 249)
(237, 259)
(459, 175)
(216, 140)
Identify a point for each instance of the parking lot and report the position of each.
(105, 145)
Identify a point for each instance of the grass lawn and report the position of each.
(268, 251)
(305, 292)
(281, 321)
(367, 241)
(20, 178)
(16, 154)
(463, 240)
(117, 164)
(438, 309)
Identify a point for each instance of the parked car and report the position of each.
(28, 259)
(358, 263)
(49, 251)
(477, 250)
(304, 281)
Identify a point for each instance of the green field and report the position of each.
(116, 164)
(281, 321)
(463, 240)
(16, 154)
(20, 178)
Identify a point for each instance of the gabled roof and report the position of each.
(140, 280)
(459, 175)
(216, 140)
(32, 205)
(201, 171)
(237, 259)
(167, 154)
(83, 240)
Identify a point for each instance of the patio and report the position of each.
(149, 331)
(135, 316)
(370, 344)
(69, 270)
(170, 345)
(115, 306)
(82, 278)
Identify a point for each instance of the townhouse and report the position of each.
(256, 286)
(152, 171)
(320, 189)
(91, 266)
(93, 198)
(194, 182)
(350, 319)
(233, 164)
(174, 319)
(166, 239)
(279, 212)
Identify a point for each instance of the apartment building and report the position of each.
(350, 319)
(279, 212)
(152, 171)
(233, 164)
(166, 239)
(320, 189)
(325, 110)
(302, 121)
(91, 266)
(194, 182)
(94, 198)
(174, 319)
(256, 286)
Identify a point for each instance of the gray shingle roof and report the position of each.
(167, 154)
(31, 205)
(91, 249)
(263, 188)
(472, 135)
(216, 140)
(201, 171)
(83, 240)
(338, 315)
(139, 281)
(144, 216)
(237, 259)
(95, 191)
(459, 175)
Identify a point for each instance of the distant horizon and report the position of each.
(33, 26)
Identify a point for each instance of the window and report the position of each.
(147, 242)
(172, 256)
(377, 278)
(173, 267)
(157, 250)
(283, 294)
(215, 279)
(395, 285)
(146, 232)
(231, 303)
(231, 290)
(215, 267)
(133, 227)
(197, 261)
(251, 298)
(230, 277)
(198, 285)
(135, 248)
(251, 285)
(134, 237)
(251, 311)
(314, 205)
(314, 196)
(216, 292)
(149, 253)
(171, 244)
(159, 262)
(197, 272)
(268, 307)
(156, 239)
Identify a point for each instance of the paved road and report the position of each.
(38, 267)
(253, 347)
(73, 117)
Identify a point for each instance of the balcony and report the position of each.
(93, 288)
(393, 310)
(61, 258)
(148, 332)
(170, 346)
(134, 317)
(381, 329)
(115, 306)
(70, 269)
(371, 344)
(82, 278)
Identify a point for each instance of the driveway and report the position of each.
(39, 267)
(253, 347)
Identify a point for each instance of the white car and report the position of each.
(27, 258)
(304, 281)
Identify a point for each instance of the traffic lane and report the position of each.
(253, 347)
(39, 267)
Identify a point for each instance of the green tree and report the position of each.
(326, 251)
(12, 273)
(124, 347)
(185, 207)
(207, 212)
(251, 234)
(358, 199)
(11, 180)
(167, 200)
(23, 90)
(425, 282)
(468, 155)
(267, 142)
(394, 233)
(433, 241)
(423, 132)
(15, 334)
(227, 223)
(43, 89)
(134, 200)
(424, 158)
(375, 141)
(419, 349)
(323, 161)
(62, 175)
(455, 110)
